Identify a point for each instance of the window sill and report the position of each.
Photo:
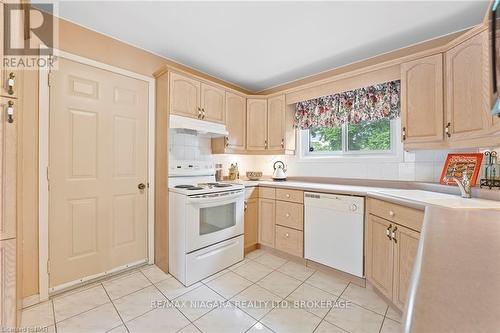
(352, 158)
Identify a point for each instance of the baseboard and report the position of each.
(250, 248)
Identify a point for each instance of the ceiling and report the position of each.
(258, 45)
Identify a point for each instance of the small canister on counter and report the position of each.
(218, 172)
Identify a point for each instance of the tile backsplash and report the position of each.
(186, 146)
(422, 165)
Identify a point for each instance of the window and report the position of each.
(363, 138)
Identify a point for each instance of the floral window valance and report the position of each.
(365, 104)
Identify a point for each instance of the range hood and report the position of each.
(201, 127)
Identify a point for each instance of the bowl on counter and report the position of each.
(254, 175)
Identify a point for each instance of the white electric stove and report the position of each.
(205, 222)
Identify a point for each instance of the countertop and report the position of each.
(456, 280)
(418, 199)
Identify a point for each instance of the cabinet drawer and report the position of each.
(290, 241)
(290, 195)
(267, 192)
(251, 193)
(408, 217)
(290, 214)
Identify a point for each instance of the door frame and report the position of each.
(43, 163)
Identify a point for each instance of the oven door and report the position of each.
(213, 218)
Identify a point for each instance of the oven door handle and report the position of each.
(218, 198)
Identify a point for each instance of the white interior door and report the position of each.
(98, 156)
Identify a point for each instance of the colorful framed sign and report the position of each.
(457, 164)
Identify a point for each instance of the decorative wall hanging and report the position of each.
(457, 164)
(365, 104)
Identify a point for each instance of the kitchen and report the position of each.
(358, 194)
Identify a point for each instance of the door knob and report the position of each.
(141, 186)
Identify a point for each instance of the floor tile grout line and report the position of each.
(175, 307)
(383, 320)
(54, 315)
(114, 306)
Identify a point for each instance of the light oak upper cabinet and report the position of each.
(236, 113)
(422, 100)
(276, 123)
(257, 124)
(184, 96)
(468, 89)
(213, 101)
(8, 167)
(8, 86)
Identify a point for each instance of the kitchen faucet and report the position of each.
(463, 185)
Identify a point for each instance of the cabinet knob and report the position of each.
(391, 213)
(404, 133)
(287, 215)
(287, 235)
(287, 195)
(282, 143)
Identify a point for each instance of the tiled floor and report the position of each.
(263, 293)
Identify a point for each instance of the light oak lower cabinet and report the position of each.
(290, 241)
(251, 223)
(8, 284)
(391, 248)
(267, 214)
(405, 251)
(379, 255)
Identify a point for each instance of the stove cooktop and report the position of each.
(205, 188)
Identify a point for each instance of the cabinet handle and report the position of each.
(265, 144)
(391, 213)
(246, 205)
(10, 112)
(199, 113)
(202, 113)
(404, 133)
(393, 234)
(226, 141)
(447, 130)
(282, 143)
(388, 231)
(10, 83)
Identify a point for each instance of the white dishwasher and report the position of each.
(333, 234)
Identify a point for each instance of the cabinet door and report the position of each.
(468, 89)
(422, 100)
(256, 124)
(405, 251)
(213, 101)
(6, 74)
(251, 222)
(8, 165)
(379, 255)
(184, 96)
(267, 214)
(8, 283)
(276, 123)
(236, 113)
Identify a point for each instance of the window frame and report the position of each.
(394, 154)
